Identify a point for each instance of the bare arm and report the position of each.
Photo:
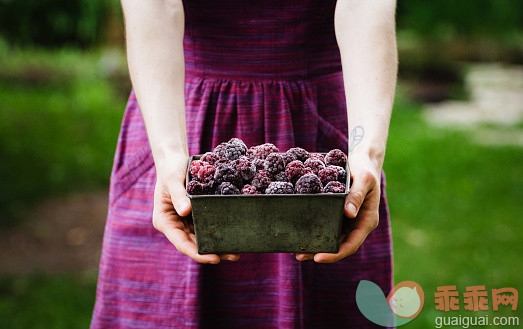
(154, 33)
(366, 36)
(365, 31)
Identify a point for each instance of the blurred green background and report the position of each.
(453, 164)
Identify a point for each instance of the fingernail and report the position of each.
(352, 208)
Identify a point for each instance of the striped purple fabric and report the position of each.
(263, 71)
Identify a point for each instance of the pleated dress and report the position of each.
(262, 71)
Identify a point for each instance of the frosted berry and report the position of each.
(238, 142)
(234, 151)
(210, 187)
(294, 170)
(262, 151)
(334, 187)
(274, 163)
(342, 174)
(222, 161)
(281, 177)
(251, 152)
(280, 188)
(249, 189)
(227, 188)
(220, 150)
(315, 164)
(328, 174)
(308, 171)
(259, 164)
(261, 180)
(227, 173)
(308, 184)
(300, 153)
(195, 188)
(318, 156)
(210, 157)
(245, 167)
(195, 167)
(336, 157)
(288, 157)
(206, 173)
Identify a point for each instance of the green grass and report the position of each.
(455, 210)
(40, 301)
(59, 119)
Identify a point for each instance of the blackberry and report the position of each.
(210, 157)
(259, 164)
(336, 157)
(234, 151)
(334, 187)
(238, 141)
(328, 174)
(274, 163)
(227, 188)
(195, 167)
(294, 170)
(262, 151)
(300, 153)
(195, 188)
(315, 164)
(288, 158)
(222, 161)
(281, 177)
(206, 173)
(261, 180)
(309, 171)
(342, 174)
(245, 167)
(227, 173)
(279, 188)
(249, 189)
(308, 184)
(251, 152)
(220, 150)
(318, 156)
(210, 187)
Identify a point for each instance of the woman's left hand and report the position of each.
(361, 206)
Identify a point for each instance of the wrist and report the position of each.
(370, 159)
(170, 157)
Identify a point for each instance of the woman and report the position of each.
(263, 71)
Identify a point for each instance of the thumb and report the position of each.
(357, 193)
(179, 198)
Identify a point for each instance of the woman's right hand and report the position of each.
(172, 206)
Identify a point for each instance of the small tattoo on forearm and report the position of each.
(355, 138)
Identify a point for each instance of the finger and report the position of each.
(179, 198)
(304, 256)
(183, 242)
(360, 187)
(347, 248)
(230, 257)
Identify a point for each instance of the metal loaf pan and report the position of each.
(291, 223)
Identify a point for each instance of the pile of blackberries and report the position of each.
(232, 168)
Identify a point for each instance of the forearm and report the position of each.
(154, 34)
(365, 31)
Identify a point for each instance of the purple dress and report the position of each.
(263, 71)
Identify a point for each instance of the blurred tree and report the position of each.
(465, 18)
(86, 22)
(54, 22)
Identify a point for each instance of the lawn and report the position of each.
(59, 119)
(455, 210)
(454, 205)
